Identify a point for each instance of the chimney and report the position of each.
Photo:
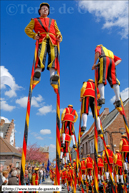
(2, 122)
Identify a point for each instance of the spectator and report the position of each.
(11, 166)
(26, 178)
(13, 180)
(30, 175)
(44, 173)
(40, 175)
(18, 173)
(1, 181)
(5, 177)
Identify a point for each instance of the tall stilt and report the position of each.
(33, 83)
(96, 190)
(58, 144)
(122, 112)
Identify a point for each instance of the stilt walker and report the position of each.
(47, 33)
(118, 167)
(124, 149)
(107, 71)
(68, 118)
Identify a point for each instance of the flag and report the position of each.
(48, 164)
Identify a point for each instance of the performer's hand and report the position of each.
(93, 67)
(59, 38)
(37, 37)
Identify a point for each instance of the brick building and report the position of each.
(113, 125)
(9, 154)
(7, 131)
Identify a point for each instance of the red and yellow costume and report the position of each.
(79, 179)
(104, 157)
(70, 176)
(100, 167)
(48, 32)
(83, 167)
(118, 164)
(69, 117)
(87, 95)
(106, 69)
(74, 164)
(124, 147)
(35, 178)
(64, 176)
(89, 166)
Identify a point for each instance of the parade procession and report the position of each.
(98, 166)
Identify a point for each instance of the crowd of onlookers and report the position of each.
(10, 175)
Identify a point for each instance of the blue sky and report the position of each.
(83, 24)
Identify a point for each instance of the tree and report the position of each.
(34, 154)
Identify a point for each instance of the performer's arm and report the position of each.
(115, 158)
(97, 53)
(83, 89)
(98, 94)
(117, 60)
(29, 29)
(103, 156)
(58, 33)
(62, 116)
(76, 116)
(120, 146)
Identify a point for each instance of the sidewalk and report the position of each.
(47, 181)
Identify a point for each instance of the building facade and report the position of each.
(7, 131)
(9, 154)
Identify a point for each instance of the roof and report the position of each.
(4, 128)
(7, 149)
(111, 116)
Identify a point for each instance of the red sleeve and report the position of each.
(98, 49)
(116, 58)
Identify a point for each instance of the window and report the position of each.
(17, 164)
(1, 134)
(2, 162)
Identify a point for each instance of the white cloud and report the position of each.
(6, 107)
(34, 134)
(45, 109)
(6, 120)
(52, 146)
(114, 13)
(90, 113)
(34, 102)
(61, 110)
(40, 138)
(124, 95)
(8, 79)
(45, 131)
